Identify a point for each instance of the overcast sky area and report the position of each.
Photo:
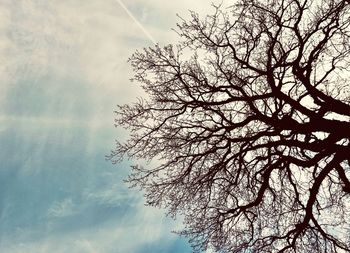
(63, 72)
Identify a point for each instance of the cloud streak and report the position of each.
(143, 29)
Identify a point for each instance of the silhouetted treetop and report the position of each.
(248, 117)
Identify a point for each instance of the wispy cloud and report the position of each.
(86, 246)
(64, 73)
(62, 208)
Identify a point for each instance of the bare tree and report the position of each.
(248, 117)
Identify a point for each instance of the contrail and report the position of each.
(136, 21)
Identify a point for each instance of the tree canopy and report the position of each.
(248, 116)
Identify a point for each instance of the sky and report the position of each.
(63, 72)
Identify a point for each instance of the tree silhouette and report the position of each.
(248, 117)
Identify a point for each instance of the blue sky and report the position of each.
(63, 71)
